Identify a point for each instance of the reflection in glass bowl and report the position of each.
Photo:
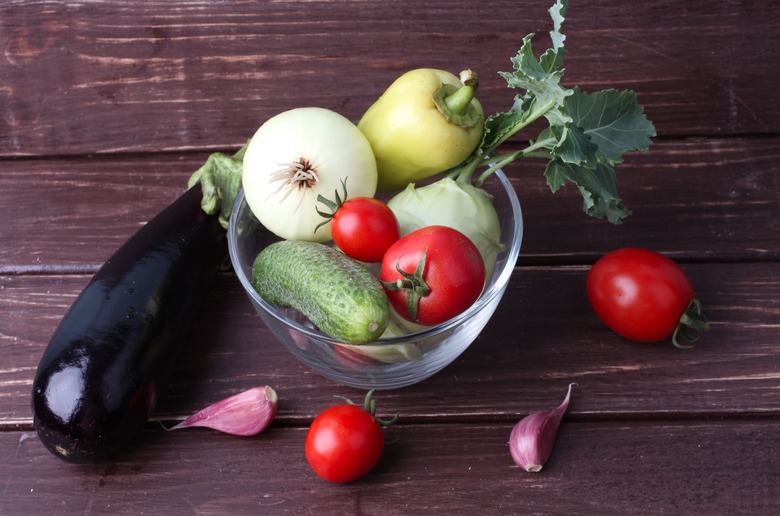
(392, 361)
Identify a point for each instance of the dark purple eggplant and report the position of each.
(103, 371)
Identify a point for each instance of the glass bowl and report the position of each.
(390, 362)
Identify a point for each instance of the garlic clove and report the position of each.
(533, 437)
(245, 414)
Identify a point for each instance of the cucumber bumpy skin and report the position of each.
(338, 294)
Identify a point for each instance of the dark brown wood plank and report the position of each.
(543, 336)
(107, 107)
(692, 199)
(75, 213)
(89, 77)
(596, 467)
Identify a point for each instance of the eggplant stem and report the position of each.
(220, 180)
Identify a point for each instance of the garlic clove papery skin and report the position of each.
(245, 414)
(533, 437)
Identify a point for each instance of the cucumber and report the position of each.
(338, 294)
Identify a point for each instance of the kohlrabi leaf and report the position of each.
(587, 134)
(613, 120)
(500, 126)
(572, 145)
(552, 59)
(540, 79)
(597, 186)
(542, 85)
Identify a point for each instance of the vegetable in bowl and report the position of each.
(406, 353)
(456, 204)
(295, 157)
(427, 121)
(342, 297)
(586, 136)
(432, 274)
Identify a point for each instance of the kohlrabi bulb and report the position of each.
(458, 205)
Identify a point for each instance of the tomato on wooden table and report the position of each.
(345, 441)
(645, 296)
(432, 274)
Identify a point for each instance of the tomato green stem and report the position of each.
(691, 327)
(369, 405)
(413, 283)
(333, 205)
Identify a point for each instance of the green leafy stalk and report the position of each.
(586, 136)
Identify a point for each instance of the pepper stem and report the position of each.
(455, 103)
(459, 101)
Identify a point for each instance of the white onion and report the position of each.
(298, 155)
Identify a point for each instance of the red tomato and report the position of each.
(344, 442)
(451, 279)
(352, 359)
(644, 296)
(364, 228)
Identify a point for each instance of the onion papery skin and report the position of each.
(326, 143)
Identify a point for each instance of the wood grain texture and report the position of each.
(71, 214)
(94, 77)
(534, 345)
(107, 107)
(596, 468)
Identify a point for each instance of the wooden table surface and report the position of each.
(106, 107)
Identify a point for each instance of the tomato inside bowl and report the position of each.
(407, 354)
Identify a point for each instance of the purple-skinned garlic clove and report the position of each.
(246, 413)
(533, 437)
